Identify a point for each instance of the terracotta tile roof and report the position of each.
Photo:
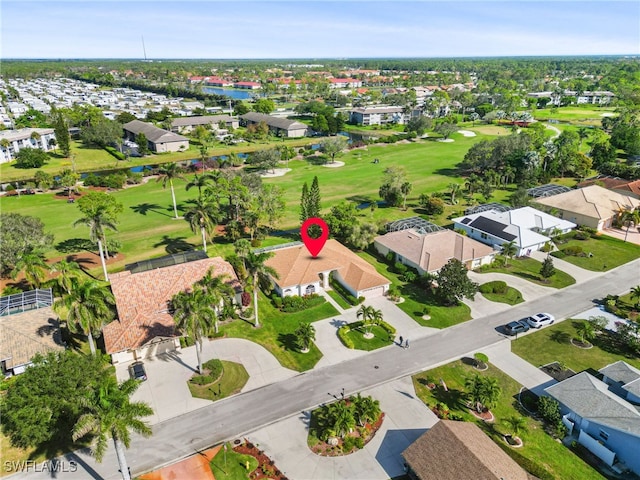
(24, 334)
(296, 266)
(592, 201)
(142, 301)
(604, 181)
(460, 451)
(432, 251)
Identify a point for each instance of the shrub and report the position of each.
(277, 301)
(348, 443)
(390, 329)
(296, 303)
(342, 335)
(390, 257)
(343, 292)
(245, 298)
(549, 410)
(400, 268)
(134, 178)
(409, 276)
(574, 251)
(582, 235)
(359, 442)
(361, 300)
(255, 243)
(115, 153)
(497, 287)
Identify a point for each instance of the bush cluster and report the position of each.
(295, 303)
(498, 287)
(344, 293)
(215, 371)
(119, 155)
(574, 251)
(113, 180)
(344, 337)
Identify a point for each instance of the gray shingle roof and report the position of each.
(153, 133)
(201, 120)
(277, 122)
(591, 399)
(621, 372)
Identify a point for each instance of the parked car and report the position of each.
(540, 319)
(137, 371)
(515, 327)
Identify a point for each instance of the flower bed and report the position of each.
(266, 467)
(352, 442)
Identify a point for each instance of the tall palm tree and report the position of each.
(166, 174)
(219, 290)
(200, 182)
(33, 266)
(258, 271)
(305, 334)
(109, 413)
(509, 250)
(454, 188)
(194, 316)
(490, 392)
(97, 223)
(628, 217)
(202, 216)
(88, 308)
(67, 273)
(370, 317)
(405, 189)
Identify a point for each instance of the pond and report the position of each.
(232, 93)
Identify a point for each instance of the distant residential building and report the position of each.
(25, 138)
(587, 97)
(159, 140)
(592, 206)
(187, 124)
(429, 252)
(219, 82)
(248, 85)
(604, 415)
(526, 227)
(344, 83)
(378, 115)
(616, 184)
(279, 126)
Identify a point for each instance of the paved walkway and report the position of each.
(406, 418)
(580, 274)
(529, 290)
(332, 301)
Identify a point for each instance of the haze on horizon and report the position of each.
(266, 29)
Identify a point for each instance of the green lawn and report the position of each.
(380, 339)
(511, 297)
(578, 115)
(339, 300)
(540, 448)
(416, 298)
(529, 269)
(230, 465)
(233, 379)
(608, 252)
(551, 344)
(276, 332)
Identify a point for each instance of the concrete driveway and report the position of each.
(406, 418)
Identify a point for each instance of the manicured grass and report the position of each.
(529, 269)
(234, 377)
(587, 115)
(338, 299)
(380, 339)
(511, 297)
(551, 344)
(276, 332)
(608, 252)
(416, 298)
(539, 447)
(9, 454)
(230, 465)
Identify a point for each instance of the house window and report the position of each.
(310, 289)
(484, 235)
(604, 435)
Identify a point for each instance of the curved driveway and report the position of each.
(236, 416)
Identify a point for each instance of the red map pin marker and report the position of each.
(314, 245)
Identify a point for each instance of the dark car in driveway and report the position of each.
(137, 371)
(515, 327)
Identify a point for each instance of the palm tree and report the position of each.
(516, 425)
(628, 217)
(305, 334)
(483, 391)
(88, 307)
(110, 413)
(202, 216)
(366, 409)
(454, 188)
(193, 315)
(219, 290)
(586, 331)
(67, 273)
(33, 266)
(342, 418)
(370, 317)
(167, 173)
(509, 249)
(405, 189)
(200, 182)
(97, 224)
(259, 272)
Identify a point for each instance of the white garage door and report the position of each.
(372, 292)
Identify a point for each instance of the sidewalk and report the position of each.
(529, 290)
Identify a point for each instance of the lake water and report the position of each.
(235, 94)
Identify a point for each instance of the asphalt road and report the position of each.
(236, 416)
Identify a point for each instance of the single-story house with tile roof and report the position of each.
(592, 206)
(301, 274)
(144, 327)
(607, 424)
(280, 126)
(617, 184)
(429, 252)
(158, 140)
(453, 450)
(27, 330)
(187, 124)
(526, 227)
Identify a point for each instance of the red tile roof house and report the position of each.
(301, 274)
(144, 327)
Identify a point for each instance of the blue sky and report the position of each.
(317, 29)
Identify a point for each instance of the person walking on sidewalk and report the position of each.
(406, 343)
(400, 340)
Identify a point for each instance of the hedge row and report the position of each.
(342, 335)
(345, 329)
(115, 153)
(295, 303)
(215, 371)
(344, 293)
(498, 287)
